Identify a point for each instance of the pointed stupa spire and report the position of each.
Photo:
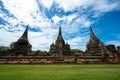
(60, 38)
(60, 34)
(92, 35)
(25, 34)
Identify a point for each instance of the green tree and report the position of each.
(3, 50)
(39, 53)
(74, 51)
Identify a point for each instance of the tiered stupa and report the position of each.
(95, 47)
(22, 45)
(60, 48)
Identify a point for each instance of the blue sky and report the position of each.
(74, 16)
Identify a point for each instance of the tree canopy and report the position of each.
(76, 51)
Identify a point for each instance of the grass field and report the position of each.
(59, 72)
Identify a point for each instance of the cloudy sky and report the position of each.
(46, 16)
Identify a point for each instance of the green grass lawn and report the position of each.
(59, 72)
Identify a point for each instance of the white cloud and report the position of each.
(99, 6)
(72, 23)
(26, 11)
(69, 18)
(83, 21)
(78, 42)
(7, 37)
(47, 3)
(56, 19)
(103, 6)
(115, 42)
(73, 4)
(40, 42)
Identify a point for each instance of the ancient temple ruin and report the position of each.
(22, 45)
(118, 49)
(60, 48)
(95, 47)
(112, 49)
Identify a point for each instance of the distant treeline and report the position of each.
(4, 50)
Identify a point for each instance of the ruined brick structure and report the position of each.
(22, 45)
(112, 49)
(118, 49)
(95, 47)
(60, 48)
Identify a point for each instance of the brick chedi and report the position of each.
(22, 45)
(95, 47)
(60, 48)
